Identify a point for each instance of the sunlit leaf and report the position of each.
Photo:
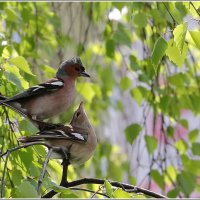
(108, 187)
(195, 37)
(125, 83)
(181, 146)
(174, 54)
(21, 63)
(10, 14)
(86, 90)
(179, 36)
(137, 95)
(119, 193)
(193, 135)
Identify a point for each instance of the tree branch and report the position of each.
(101, 181)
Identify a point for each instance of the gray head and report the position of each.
(72, 68)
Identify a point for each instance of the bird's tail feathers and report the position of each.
(26, 139)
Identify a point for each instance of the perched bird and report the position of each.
(50, 98)
(78, 139)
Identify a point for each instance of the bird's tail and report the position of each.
(27, 139)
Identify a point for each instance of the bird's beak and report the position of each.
(84, 74)
(81, 106)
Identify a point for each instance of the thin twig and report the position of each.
(195, 8)
(173, 19)
(44, 169)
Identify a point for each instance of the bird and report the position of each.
(77, 140)
(49, 98)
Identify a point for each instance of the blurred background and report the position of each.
(143, 97)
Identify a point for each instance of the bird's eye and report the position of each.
(77, 114)
(77, 69)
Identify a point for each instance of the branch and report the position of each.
(44, 169)
(101, 181)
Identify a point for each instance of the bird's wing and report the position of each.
(63, 132)
(41, 89)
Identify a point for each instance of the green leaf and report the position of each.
(190, 165)
(151, 143)
(174, 54)
(140, 20)
(171, 175)
(196, 148)
(158, 178)
(158, 51)
(170, 131)
(122, 36)
(193, 135)
(110, 48)
(21, 63)
(65, 192)
(7, 51)
(181, 146)
(26, 190)
(86, 90)
(184, 123)
(134, 63)
(177, 80)
(195, 36)
(108, 187)
(137, 95)
(119, 193)
(10, 14)
(125, 83)
(187, 182)
(16, 177)
(173, 193)
(179, 36)
(132, 132)
(12, 74)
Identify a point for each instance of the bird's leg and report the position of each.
(65, 164)
(44, 169)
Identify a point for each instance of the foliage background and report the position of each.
(143, 98)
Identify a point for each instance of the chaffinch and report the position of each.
(78, 139)
(50, 98)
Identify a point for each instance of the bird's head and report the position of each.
(79, 118)
(71, 68)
